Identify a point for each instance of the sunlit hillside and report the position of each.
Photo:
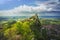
(32, 28)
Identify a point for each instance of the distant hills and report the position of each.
(22, 17)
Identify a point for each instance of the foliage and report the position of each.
(27, 29)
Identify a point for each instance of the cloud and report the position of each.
(54, 4)
(24, 9)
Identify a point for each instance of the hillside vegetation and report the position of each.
(27, 29)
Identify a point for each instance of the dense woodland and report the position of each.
(31, 28)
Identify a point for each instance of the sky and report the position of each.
(29, 7)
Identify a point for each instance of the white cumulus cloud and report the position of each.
(20, 10)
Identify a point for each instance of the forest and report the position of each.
(31, 28)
